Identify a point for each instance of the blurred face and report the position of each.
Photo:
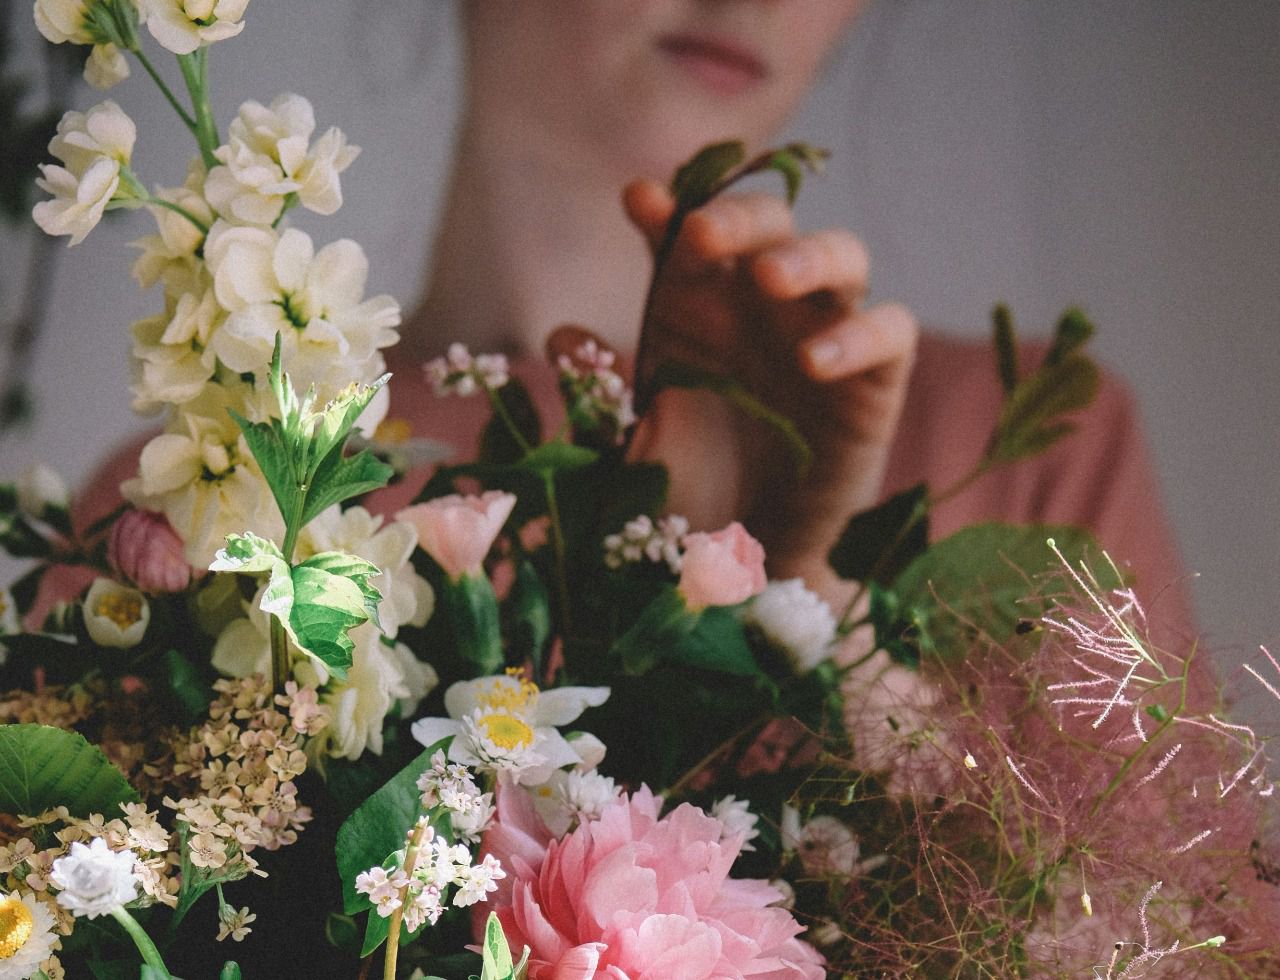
(646, 82)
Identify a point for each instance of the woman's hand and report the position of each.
(743, 294)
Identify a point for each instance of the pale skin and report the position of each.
(533, 236)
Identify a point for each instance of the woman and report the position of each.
(567, 103)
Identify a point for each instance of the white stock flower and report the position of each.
(115, 615)
(181, 26)
(93, 880)
(504, 723)
(737, 818)
(268, 156)
(796, 621)
(93, 147)
(39, 487)
(277, 284)
(201, 477)
(63, 21)
(26, 935)
(379, 676)
(106, 66)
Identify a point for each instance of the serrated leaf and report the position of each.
(356, 569)
(1073, 331)
(249, 554)
(339, 478)
(983, 578)
(324, 608)
(1006, 344)
(674, 375)
(557, 456)
(877, 544)
(695, 182)
(332, 424)
(42, 767)
(267, 443)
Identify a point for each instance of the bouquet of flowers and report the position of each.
(532, 725)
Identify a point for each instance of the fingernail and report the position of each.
(823, 353)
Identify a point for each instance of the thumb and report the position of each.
(650, 206)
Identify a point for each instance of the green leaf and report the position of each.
(188, 687)
(879, 543)
(339, 478)
(668, 631)
(471, 611)
(330, 426)
(350, 567)
(42, 767)
(267, 443)
(1073, 331)
(792, 161)
(249, 554)
(528, 614)
(983, 579)
(321, 610)
(230, 971)
(557, 456)
(495, 953)
(149, 972)
(674, 375)
(1029, 421)
(695, 183)
(1006, 343)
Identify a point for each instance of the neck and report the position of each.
(533, 236)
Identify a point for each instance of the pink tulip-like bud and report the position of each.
(459, 531)
(722, 568)
(145, 549)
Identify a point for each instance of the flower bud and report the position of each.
(39, 487)
(146, 550)
(723, 568)
(115, 615)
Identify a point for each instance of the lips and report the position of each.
(722, 64)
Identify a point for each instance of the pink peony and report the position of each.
(631, 896)
(459, 531)
(145, 549)
(722, 568)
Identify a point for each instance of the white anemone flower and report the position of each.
(269, 155)
(94, 880)
(279, 285)
(115, 615)
(505, 724)
(94, 147)
(181, 26)
(26, 935)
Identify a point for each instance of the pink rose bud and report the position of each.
(459, 531)
(722, 568)
(145, 549)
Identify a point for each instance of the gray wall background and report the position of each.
(1120, 154)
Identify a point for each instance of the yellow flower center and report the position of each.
(502, 696)
(15, 926)
(507, 732)
(393, 431)
(122, 609)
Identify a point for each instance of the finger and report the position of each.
(882, 337)
(832, 261)
(568, 339)
(733, 226)
(650, 206)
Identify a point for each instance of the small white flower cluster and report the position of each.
(642, 539)
(450, 786)
(461, 373)
(737, 818)
(573, 796)
(597, 395)
(795, 620)
(431, 866)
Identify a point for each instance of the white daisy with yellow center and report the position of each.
(505, 723)
(26, 935)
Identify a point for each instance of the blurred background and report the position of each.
(1120, 156)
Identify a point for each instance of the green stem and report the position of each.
(178, 107)
(500, 410)
(393, 932)
(179, 209)
(195, 71)
(280, 667)
(150, 955)
(557, 544)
